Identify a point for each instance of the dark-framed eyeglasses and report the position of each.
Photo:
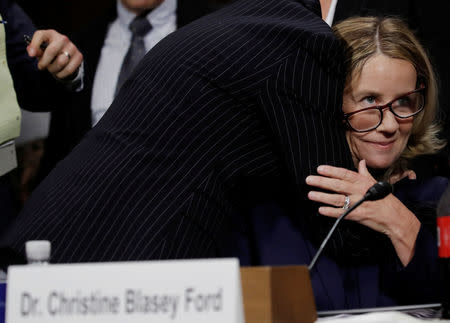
(403, 107)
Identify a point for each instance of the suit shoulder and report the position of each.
(246, 30)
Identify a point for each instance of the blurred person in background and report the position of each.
(106, 44)
(32, 78)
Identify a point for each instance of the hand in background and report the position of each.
(61, 57)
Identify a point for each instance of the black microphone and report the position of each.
(376, 192)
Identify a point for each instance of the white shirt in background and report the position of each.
(117, 42)
(330, 15)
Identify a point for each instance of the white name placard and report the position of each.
(152, 291)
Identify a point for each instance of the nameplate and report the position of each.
(154, 291)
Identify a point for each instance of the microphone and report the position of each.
(378, 191)
(375, 192)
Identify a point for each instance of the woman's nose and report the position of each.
(390, 123)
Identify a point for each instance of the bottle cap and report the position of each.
(38, 250)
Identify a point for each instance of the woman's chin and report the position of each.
(378, 165)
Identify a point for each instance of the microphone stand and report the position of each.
(325, 241)
(376, 192)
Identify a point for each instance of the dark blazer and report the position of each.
(239, 106)
(69, 124)
(34, 88)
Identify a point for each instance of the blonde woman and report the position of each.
(385, 252)
(389, 107)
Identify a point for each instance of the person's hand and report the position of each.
(388, 216)
(344, 183)
(61, 57)
(407, 173)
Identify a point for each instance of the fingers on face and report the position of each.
(362, 168)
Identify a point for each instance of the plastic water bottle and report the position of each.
(443, 229)
(38, 252)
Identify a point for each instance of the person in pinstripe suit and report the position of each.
(238, 106)
(69, 125)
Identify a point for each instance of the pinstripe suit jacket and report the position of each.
(70, 124)
(246, 99)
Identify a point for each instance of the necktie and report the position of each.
(139, 28)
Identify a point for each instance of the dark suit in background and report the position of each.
(35, 90)
(238, 106)
(74, 16)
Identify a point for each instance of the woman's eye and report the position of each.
(369, 100)
(404, 101)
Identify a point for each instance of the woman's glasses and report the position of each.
(405, 106)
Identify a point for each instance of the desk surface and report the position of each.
(410, 313)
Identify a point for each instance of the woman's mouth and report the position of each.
(383, 144)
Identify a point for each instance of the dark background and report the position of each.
(68, 16)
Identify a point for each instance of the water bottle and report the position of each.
(38, 252)
(443, 230)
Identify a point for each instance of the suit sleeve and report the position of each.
(422, 270)
(36, 90)
(301, 109)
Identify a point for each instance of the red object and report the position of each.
(443, 224)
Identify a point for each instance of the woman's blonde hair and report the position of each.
(365, 37)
